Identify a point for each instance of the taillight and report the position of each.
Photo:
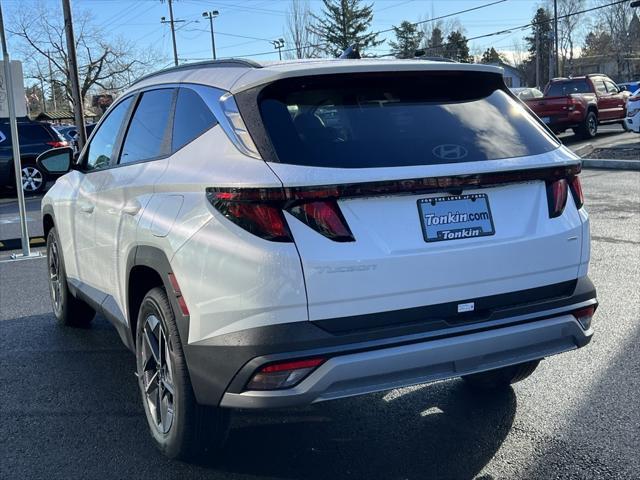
(58, 144)
(325, 217)
(253, 210)
(283, 374)
(585, 315)
(557, 197)
(576, 191)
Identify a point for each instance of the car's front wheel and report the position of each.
(68, 309)
(501, 377)
(180, 427)
(33, 179)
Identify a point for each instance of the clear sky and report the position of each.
(264, 20)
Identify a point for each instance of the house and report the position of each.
(513, 77)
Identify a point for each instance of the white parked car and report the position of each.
(633, 112)
(277, 235)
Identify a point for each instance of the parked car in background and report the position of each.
(629, 86)
(581, 103)
(283, 234)
(67, 131)
(88, 129)
(34, 138)
(633, 112)
(527, 93)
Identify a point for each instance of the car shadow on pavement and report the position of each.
(69, 408)
(443, 430)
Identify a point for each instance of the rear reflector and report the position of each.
(283, 374)
(585, 315)
(576, 191)
(178, 294)
(557, 197)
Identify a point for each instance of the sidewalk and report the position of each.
(619, 156)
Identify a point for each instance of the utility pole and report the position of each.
(53, 90)
(537, 58)
(15, 143)
(172, 23)
(279, 45)
(78, 107)
(211, 15)
(44, 95)
(556, 70)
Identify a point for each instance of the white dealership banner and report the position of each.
(18, 90)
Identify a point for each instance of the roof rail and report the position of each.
(229, 62)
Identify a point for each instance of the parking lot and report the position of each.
(69, 405)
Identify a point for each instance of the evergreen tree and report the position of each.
(408, 39)
(435, 45)
(456, 47)
(491, 55)
(344, 23)
(540, 45)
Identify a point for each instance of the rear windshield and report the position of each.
(566, 88)
(375, 120)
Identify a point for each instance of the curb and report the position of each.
(16, 243)
(584, 150)
(611, 164)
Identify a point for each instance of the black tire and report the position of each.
(180, 427)
(589, 126)
(625, 127)
(68, 310)
(501, 377)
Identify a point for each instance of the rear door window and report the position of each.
(191, 119)
(29, 134)
(147, 133)
(360, 121)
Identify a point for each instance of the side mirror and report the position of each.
(56, 161)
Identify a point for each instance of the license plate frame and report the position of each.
(472, 228)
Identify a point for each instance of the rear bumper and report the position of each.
(423, 345)
(387, 368)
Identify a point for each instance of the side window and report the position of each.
(192, 118)
(100, 150)
(33, 134)
(611, 87)
(599, 84)
(145, 137)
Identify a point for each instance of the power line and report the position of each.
(434, 19)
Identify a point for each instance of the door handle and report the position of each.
(87, 207)
(131, 208)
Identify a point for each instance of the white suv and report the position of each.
(277, 235)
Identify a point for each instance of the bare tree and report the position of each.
(615, 20)
(568, 28)
(109, 65)
(300, 32)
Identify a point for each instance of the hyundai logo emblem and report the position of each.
(450, 151)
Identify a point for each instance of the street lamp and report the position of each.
(278, 44)
(211, 15)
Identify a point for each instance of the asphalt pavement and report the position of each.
(69, 405)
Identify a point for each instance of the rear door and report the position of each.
(618, 108)
(391, 153)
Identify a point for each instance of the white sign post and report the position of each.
(8, 89)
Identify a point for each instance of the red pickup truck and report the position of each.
(581, 103)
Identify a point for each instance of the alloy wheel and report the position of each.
(32, 179)
(55, 285)
(157, 374)
(593, 125)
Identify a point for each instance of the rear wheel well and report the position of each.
(141, 280)
(592, 108)
(47, 224)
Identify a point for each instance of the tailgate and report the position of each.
(392, 265)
